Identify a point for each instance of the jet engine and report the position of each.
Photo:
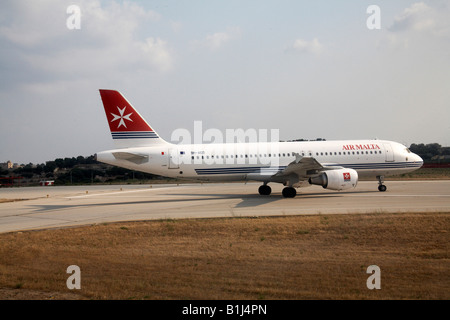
(337, 179)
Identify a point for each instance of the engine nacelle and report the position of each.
(338, 179)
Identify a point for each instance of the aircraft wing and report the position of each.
(301, 169)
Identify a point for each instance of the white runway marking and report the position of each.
(118, 192)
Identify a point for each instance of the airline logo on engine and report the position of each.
(347, 176)
(361, 147)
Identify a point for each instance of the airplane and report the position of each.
(334, 165)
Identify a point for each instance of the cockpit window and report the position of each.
(407, 150)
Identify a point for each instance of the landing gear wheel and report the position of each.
(381, 186)
(265, 190)
(289, 192)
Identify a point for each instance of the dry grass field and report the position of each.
(296, 257)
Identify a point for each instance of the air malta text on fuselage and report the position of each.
(361, 147)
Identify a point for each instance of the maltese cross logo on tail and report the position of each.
(347, 176)
(121, 117)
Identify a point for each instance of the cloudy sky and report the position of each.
(308, 68)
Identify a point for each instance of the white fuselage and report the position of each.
(259, 161)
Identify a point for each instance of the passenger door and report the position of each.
(174, 158)
(389, 153)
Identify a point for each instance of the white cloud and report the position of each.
(303, 46)
(30, 23)
(420, 17)
(110, 37)
(419, 27)
(217, 40)
(156, 53)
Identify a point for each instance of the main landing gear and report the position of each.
(288, 192)
(264, 190)
(381, 186)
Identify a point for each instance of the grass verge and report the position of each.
(295, 257)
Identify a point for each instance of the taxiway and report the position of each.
(56, 207)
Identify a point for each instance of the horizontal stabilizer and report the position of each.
(132, 157)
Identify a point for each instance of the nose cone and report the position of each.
(417, 159)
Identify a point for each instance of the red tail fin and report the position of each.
(127, 126)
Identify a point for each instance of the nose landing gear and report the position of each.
(381, 186)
